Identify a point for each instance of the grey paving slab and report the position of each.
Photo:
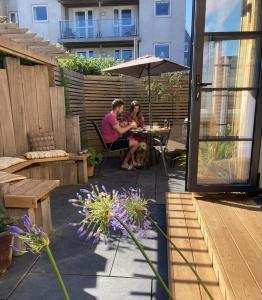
(18, 269)
(77, 256)
(129, 262)
(43, 287)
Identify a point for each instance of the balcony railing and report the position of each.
(92, 29)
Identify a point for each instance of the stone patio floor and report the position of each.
(112, 271)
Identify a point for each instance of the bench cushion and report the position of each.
(45, 154)
(43, 141)
(6, 162)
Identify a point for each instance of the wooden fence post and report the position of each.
(73, 142)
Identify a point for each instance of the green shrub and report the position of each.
(90, 66)
(95, 158)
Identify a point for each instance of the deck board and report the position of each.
(230, 231)
(184, 229)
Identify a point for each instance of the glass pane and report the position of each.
(80, 18)
(40, 13)
(224, 162)
(90, 18)
(231, 63)
(162, 51)
(126, 17)
(117, 54)
(233, 15)
(127, 55)
(79, 53)
(222, 114)
(162, 8)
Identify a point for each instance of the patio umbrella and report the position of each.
(147, 66)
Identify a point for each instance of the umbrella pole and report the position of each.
(149, 95)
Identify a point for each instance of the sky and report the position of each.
(188, 14)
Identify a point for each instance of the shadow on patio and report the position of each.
(115, 270)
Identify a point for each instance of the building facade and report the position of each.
(123, 29)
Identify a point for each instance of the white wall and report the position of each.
(166, 29)
(48, 30)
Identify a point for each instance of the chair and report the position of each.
(173, 145)
(160, 147)
(106, 148)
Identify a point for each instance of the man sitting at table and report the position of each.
(112, 131)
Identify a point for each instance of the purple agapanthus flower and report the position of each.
(33, 237)
(95, 206)
(131, 207)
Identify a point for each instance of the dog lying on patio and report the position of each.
(142, 155)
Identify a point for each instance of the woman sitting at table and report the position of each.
(135, 114)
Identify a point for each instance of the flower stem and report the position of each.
(57, 273)
(158, 276)
(201, 282)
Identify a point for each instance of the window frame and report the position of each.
(162, 44)
(127, 49)
(33, 14)
(16, 16)
(162, 16)
(120, 53)
(86, 51)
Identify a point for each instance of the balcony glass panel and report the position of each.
(82, 28)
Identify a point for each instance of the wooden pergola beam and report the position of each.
(17, 49)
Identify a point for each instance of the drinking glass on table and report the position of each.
(155, 124)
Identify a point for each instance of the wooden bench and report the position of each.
(83, 158)
(31, 197)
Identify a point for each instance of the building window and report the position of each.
(127, 54)
(91, 53)
(86, 54)
(162, 50)
(162, 8)
(13, 17)
(123, 54)
(186, 49)
(40, 13)
(117, 54)
(81, 53)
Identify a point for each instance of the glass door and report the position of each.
(80, 24)
(84, 24)
(126, 22)
(226, 96)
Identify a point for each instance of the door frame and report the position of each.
(198, 36)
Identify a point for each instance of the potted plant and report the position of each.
(94, 159)
(6, 240)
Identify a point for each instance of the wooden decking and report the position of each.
(232, 229)
(232, 226)
(184, 229)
